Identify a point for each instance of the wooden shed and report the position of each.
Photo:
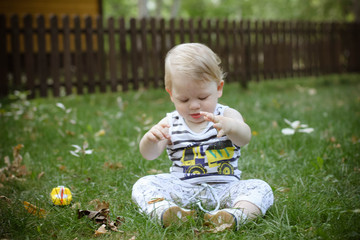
(16, 10)
(51, 7)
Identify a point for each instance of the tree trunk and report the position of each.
(142, 7)
(175, 8)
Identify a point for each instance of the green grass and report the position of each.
(315, 177)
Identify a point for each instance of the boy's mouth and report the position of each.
(195, 115)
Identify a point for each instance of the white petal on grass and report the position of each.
(295, 124)
(60, 105)
(306, 130)
(74, 154)
(287, 121)
(288, 131)
(77, 147)
(90, 151)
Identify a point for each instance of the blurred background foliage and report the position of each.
(313, 10)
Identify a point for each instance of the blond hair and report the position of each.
(193, 60)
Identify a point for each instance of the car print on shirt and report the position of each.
(219, 154)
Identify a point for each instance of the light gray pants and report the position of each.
(177, 192)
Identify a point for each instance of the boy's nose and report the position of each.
(194, 105)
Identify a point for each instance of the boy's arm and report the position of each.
(153, 143)
(231, 124)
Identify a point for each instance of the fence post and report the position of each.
(101, 53)
(256, 51)
(41, 56)
(90, 55)
(144, 50)
(78, 56)
(4, 86)
(154, 54)
(29, 55)
(112, 55)
(123, 55)
(67, 55)
(15, 49)
(243, 80)
(134, 54)
(55, 55)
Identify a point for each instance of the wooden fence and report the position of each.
(76, 55)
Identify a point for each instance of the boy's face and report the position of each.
(192, 96)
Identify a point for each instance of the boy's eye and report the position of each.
(184, 100)
(203, 98)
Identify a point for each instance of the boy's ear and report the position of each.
(220, 88)
(169, 92)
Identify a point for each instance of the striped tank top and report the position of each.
(201, 157)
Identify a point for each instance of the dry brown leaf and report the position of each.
(14, 170)
(355, 139)
(40, 175)
(156, 200)
(62, 167)
(99, 204)
(100, 133)
(154, 171)
(34, 210)
(101, 230)
(6, 199)
(283, 189)
(98, 216)
(220, 228)
(113, 165)
(132, 238)
(70, 133)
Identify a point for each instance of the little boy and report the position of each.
(203, 140)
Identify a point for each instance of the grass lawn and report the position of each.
(315, 177)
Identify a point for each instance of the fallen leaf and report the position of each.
(98, 216)
(132, 238)
(220, 228)
(283, 189)
(156, 200)
(154, 171)
(101, 230)
(102, 217)
(14, 170)
(100, 133)
(355, 139)
(6, 199)
(40, 175)
(112, 165)
(70, 133)
(34, 210)
(99, 204)
(62, 167)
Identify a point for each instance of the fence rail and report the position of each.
(77, 55)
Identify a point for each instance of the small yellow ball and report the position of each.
(61, 196)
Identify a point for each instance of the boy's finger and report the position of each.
(164, 125)
(209, 117)
(220, 133)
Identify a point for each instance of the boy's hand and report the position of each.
(230, 124)
(158, 132)
(221, 123)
